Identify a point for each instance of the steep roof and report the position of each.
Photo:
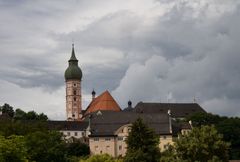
(103, 102)
(107, 122)
(67, 125)
(178, 110)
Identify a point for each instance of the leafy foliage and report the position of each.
(142, 144)
(26, 137)
(7, 109)
(46, 147)
(202, 144)
(229, 127)
(12, 149)
(19, 114)
(101, 158)
(77, 148)
(10, 127)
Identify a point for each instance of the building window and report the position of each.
(75, 99)
(120, 147)
(82, 133)
(74, 92)
(68, 133)
(76, 133)
(74, 84)
(96, 139)
(107, 139)
(120, 138)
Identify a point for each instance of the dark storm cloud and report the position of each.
(32, 72)
(204, 64)
(158, 51)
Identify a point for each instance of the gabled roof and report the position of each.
(67, 125)
(178, 110)
(103, 102)
(107, 123)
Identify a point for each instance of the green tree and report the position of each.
(169, 155)
(199, 119)
(20, 114)
(6, 108)
(229, 127)
(19, 127)
(142, 144)
(31, 115)
(77, 148)
(202, 145)
(46, 146)
(12, 149)
(42, 117)
(101, 158)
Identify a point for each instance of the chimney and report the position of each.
(93, 94)
(170, 120)
(129, 103)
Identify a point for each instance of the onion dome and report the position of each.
(73, 71)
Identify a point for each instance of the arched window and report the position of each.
(74, 92)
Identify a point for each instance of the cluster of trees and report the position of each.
(203, 144)
(229, 127)
(19, 114)
(29, 139)
(40, 147)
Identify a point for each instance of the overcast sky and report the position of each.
(139, 50)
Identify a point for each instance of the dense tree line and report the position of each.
(26, 137)
(229, 127)
(19, 114)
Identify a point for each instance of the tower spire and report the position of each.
(73, 57)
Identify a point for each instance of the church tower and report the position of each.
(73, 77)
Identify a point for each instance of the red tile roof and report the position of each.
(103, 102)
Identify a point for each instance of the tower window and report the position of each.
(74, 84)
(75, 99)
(74, 92)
